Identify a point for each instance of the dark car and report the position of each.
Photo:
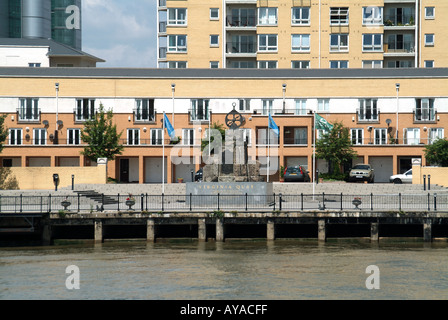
(296, 174)
(198, 176)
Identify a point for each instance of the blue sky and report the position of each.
(124, 33)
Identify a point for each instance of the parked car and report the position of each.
(402, 178)
(198, 176)
(362, 172)
(296, 174)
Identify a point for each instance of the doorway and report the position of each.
(124, 170)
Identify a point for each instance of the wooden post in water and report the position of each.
(46, 230)
(374, 232)
(427, 230)
(219, 230)
(202, 230)
(99, 231)
(270, 230)
(321, 230)
(150, 230)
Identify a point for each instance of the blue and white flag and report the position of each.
(273, 125)
(169, 127)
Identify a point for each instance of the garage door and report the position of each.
(154, 169)
(383, 167)
(184, 171)
(296, 161)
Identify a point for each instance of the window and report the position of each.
(372, 64)
(400, 43)
(357, 136)
(85, 109)
(338, 42)
(242, 44)
(267, 16)
(372, 42)
(156, 137)
(214, 40)
(242, 17)
(300, 107)
(244, 104)
(300, 64)
(199, 110)
(214, 64)
(429, 63)
(267, 42)
(29, 110)
(424, 110)
(323, 104)
(429, 12)
(188, 137)
(15, 137)
(264, 139)
(294, 135)
(368, 110)
(380, 135)
(34, 65)
(133, 137)
(177, 16)
(144, 110)
(400, 64)
(300, 42)
(339, 16)
(372, 15)
(412, 136)
(73, 136)
(214, 13)
(339, 64)
(267, 64)
(177, 43)
(177, 64)
(40, 137)
(429, 39)
(267, 106)
(300, 16)
(435, 134)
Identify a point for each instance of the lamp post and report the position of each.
(56, 131)
(397, 87)
(173, 89)
(284, 93)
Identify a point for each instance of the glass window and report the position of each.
(15, 137)
(214, 40)
(177, 16)
(300, 42)
(267, 64)
(435, 134)
(133, 137)
(357, 136)
(380, 135)
(214, 13)
(199, 110)
(300, 64)
(177, 43)
(372, 15)
(368, 110)
(73, 136)
(300, 16)
(412, 136)
(144, 110)
(429, 12)
(244, 104)
(188, 137)
(339, 16)
(267, 42)
(339, 42)
(156, 137)
(214, 64)
(339, 64)
(300, 107)
(372, 64)
(85, 109)
(177, 64)
(267, 16)
(29, 109)
(40, 137)
(429, 63)
(267, 106)
(372, 42)
(323, 104)
(429, 39)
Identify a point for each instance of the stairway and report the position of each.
(97, 197)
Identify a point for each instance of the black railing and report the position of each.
(231, 203)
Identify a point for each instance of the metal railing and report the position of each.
(220, 202)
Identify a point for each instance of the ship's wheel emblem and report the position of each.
(234, 119)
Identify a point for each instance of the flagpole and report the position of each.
(314, 154)
(163, 157)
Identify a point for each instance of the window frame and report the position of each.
(301, 47)
(339, 47)
(429, 43)
(372, 47)
(133, 137)
(267, 47)
(18, 138)
(430, 17)
(176, 21)
(339, 62)
(267, 62)
(301, 64)
(357, 139)
(39, 136)
(375, 17)
(300, 21)
(189, 139)
(211, 16)
(177, 48)
(76, 141)
(266, 20)
(338, 11)
(212, 44)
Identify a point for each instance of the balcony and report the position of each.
(162, 53)
(290, 112)
(145, 115)
(199, 115)
(399, 48)
(82, 115)
(162, 4)
(241, 22)
(425, 115)
(399, 21)
(242, 49)
(367, 116)
(28, 115)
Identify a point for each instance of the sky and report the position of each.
(122, 32)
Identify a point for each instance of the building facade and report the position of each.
(41, 19)
(392, 114)
(302, 34)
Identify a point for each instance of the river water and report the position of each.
(234, 270)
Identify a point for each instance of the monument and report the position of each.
(232, 173)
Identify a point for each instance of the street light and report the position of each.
(56, 135)
(397, 87)
(284, 92)
(173, 89)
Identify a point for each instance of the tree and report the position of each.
(335, 146)
(437, 153)
(3, 131)
(101, 137)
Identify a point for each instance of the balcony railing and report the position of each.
(241, 47)
(83, 115)
(294, 112)
(367, 115)
(399, 47)
(28, 115)
(199, 115)
(425, 115)
(238, 21)
(145, 115)
(295, 141)
(399, 20)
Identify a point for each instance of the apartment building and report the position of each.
(302, 34)
(392, 114)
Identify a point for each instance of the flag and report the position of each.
(322, 124)
(273, 125)
(169, 127)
